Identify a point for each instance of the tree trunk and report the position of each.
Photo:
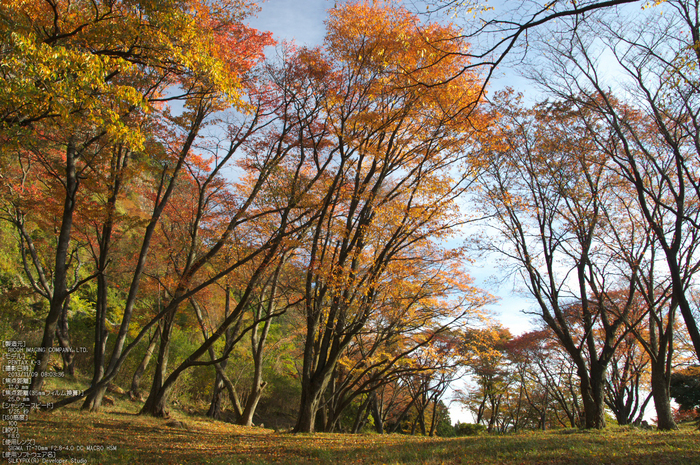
(543, 418)
(314, 380)
(377, 414)
(361, 416)
(516, 424)
(222, 381)
(155, 403)
(135, 391)
(251, 404)
(63, 336)
(403, 415)
(433, 420)
(311, 395)
(593, 395)
(660, 389)
(258, 349)
(60, 286)
(215, 409)
(94, 400)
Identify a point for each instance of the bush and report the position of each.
(469, 429)
(685, 388)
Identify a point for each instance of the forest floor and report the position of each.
(122, 437)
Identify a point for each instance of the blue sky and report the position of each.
(300, 20)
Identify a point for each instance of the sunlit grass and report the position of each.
(143, 440)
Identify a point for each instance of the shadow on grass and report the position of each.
(147, 440)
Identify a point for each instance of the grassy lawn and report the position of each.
(142, 440)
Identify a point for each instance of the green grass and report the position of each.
(143, 440)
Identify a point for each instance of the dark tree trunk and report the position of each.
(433, 419)
(377, 414)
(120, 161)
(60, 286)
(155, 404)
(63, 336)
(661, 345)
(660, 389)
(403, 415)
(316, 375)
(361, 417)
(593, 395)
(257, 343)
(94, 401)
(215, 407)
(222, 381)
(311, 396)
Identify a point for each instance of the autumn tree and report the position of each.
(501, 33)
(95, 73)
(390, 189)
(423, 304)
(625, 387)
(436, 367)
(652, 116)
(274, 296)
(546, 382)
(647, 128)
(259, 228)
(485, 356)
(548, 193)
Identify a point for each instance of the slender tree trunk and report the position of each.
(495, 407)
(93, 401)
(433, 420)
(257, 343)
(215, 408)
(60, 287)
(165, 190)
(157, 400)
(661, 345)
(331, 412)
(135, 391)
(516, 425)
(314, 381)
(362, 414)
(422, 405)
(252, 404)
(377, 413)
(222, 381)
(63, 336)
(155, 404)
(403, 415)
(481, 409)
(543, 418)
